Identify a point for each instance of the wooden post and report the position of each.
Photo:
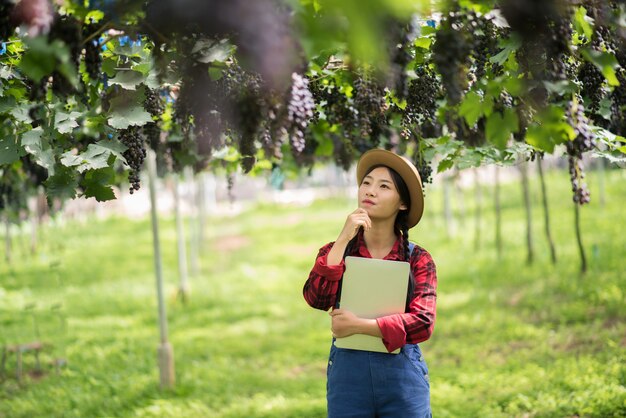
(529, 230)
(165, 350)
(477, 210)
(183, 289)
(546, 212)
(498, 209)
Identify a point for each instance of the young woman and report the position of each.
(371, 384)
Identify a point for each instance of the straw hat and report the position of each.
(405, 169)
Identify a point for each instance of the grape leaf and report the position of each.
(445, 164)
(9, 150)
(581, 22)
(95, 157)
(62, 184)
(97, 184)
(500, 126)
(127, 109)
(128, 79)
(471, 108)
(39, 59)
(6, 103)
(44, 156)
(66, 122)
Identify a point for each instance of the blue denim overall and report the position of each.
(362, 384)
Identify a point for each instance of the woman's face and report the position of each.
(378, 195)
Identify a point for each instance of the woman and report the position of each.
(371, 384)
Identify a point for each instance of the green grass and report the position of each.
(510, 339)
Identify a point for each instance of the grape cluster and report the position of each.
(485, 44)
(93, 59)
(618, 105)
(423, 167)
(583, 142)
(249, 114)
(153, 105)
(6, 26)
(451, 53)
(300, 111)
(135, 154)
(369, 103)
(334, 103)
(421, 105)
(592, 82)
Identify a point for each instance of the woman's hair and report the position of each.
(400, 224)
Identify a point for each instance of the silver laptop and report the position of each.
(372, 288)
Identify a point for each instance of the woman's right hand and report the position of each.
(357, 219)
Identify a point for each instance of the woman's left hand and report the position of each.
(343, 323)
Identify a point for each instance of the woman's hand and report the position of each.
(343, 323)
(357, 219)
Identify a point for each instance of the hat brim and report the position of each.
(405, 169)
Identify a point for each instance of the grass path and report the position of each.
(510, 339)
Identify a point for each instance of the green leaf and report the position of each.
(6, 104)
(561, 87)
(95, 157)
(445, 164)
(581, 22)
(606, 63)
(423, 42)
(500, 126)
(471, 108)
(44, 156)
(62, 184)
(127, 109)
(9, 150)
(551, 131)
(210, 51)
(97, 184)
(509, 45)
(128, 79)
(622, 149)
(39, 59)
(66, 122)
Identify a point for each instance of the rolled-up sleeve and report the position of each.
(320, 289)
(416, 325)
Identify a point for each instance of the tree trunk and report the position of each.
(581, 248)
(447, 207)
(477, 210)
(498, 209)
(546, 212)
(164, 350)
(183, 289)
(529, 231)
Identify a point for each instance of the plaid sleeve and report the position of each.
(320, 289)
(416, 325)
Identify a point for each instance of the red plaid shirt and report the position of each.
(415, 326)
